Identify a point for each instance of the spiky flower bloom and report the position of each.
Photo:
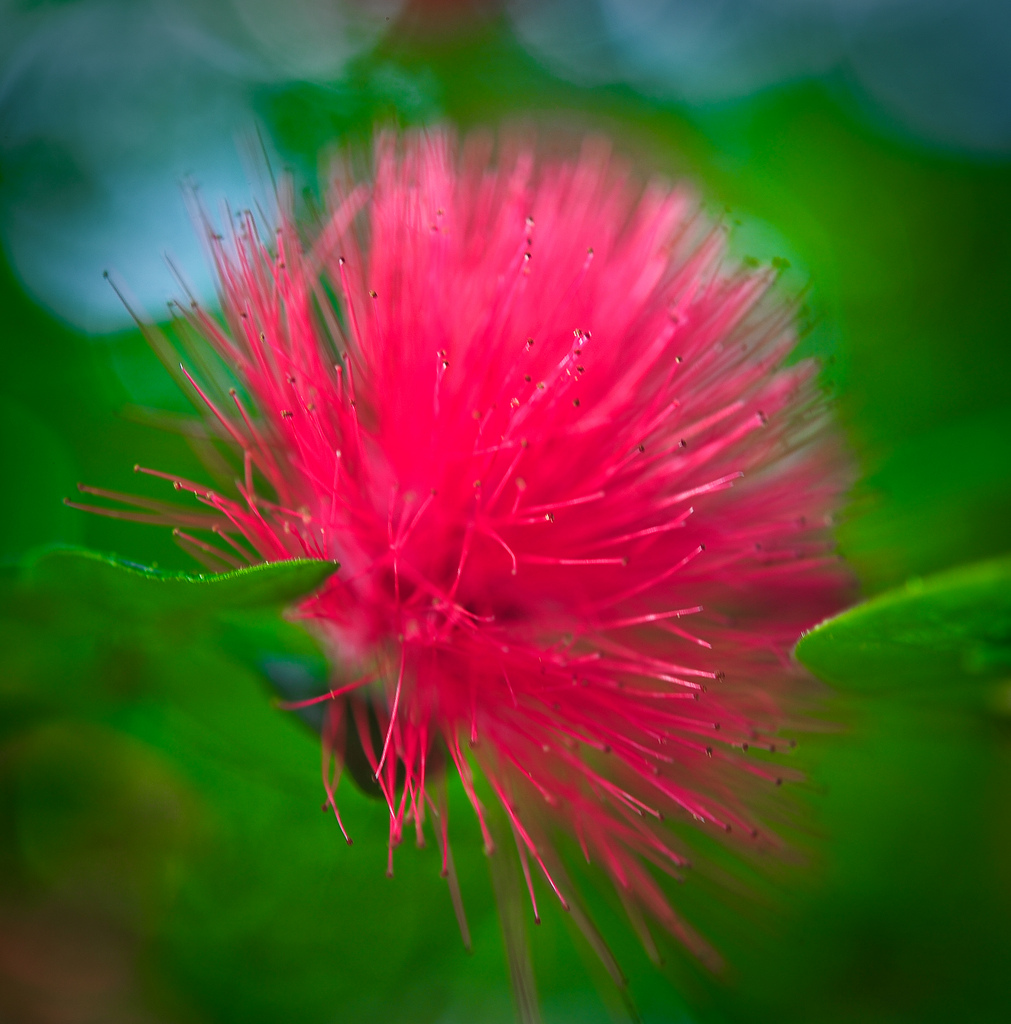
(578, 501)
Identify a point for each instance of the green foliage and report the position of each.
(79, 626)
(117, 588)
(931, 635)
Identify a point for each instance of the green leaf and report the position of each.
(942, 631)
(87, 630)
(116, 584)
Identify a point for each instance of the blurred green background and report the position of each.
(162, 855)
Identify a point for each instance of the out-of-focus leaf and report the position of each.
(38, 470)
(937, 632)
(110, 834)
(907, 519)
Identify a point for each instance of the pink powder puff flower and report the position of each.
(579, 504)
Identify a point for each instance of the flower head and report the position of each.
(579, 503)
